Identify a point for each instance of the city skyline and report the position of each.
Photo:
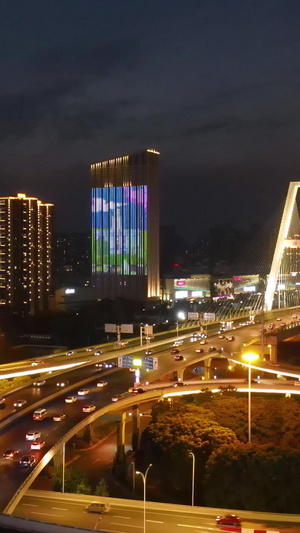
(213, 86)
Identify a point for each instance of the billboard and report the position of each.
(245, 284)
(196, 287)
(193, 316)
(119, 230)
(126, 328)
(223, 288)
(110, 328)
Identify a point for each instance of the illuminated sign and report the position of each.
(119, 230)
(180, 283)
(137, 362)
(281, 286)
(181, 294)
(197, 294)
(69, 291)
(250, 288)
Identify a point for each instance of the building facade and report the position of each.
(25, 253)
(125, 226)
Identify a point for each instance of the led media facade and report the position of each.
(119, 230)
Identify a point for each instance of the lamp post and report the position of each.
(144, 478)
(133, 475)
(63, 466)
(249, 358)
(193, 477)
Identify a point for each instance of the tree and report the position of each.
(73, 479)
(83, 488)
(246, 476)
(101, 488)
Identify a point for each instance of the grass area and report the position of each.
(8, 384)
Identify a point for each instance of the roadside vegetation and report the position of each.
(261, 476)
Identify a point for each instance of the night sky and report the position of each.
(214, 85)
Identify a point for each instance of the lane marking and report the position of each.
(29, 505)
(189, 525)
(59, 509)
(155, 521)
(119, 516)
(46, 514)
(130, 525)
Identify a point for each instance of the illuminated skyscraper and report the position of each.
(25, 253)
(125, 226)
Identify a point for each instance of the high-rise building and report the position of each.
(125, 226)
(25, 253)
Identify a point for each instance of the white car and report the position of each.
(99, 365)
(59, 418)
(70, 352)
(98, 353)
(37, 445)
(33, 435)
(70, 399)
(148, 352)
(20, 403)
(83, 392)
(89, 408)
(116, 398)
(39, 383)
(102, 383)
(62, 383)
(203, 342)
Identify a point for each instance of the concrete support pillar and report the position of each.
(135, 427)
(207, 367)
(180, 374)
(121, 439)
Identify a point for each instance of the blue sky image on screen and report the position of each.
(119, 233)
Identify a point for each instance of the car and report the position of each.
(230, 338)
(70, 399)
(227, 388)
(33, 435)
(88, 349)
(102, 384)
(174, 351)
(39, 383)
(199, 350)
(132, 369)
(27, 460)
(228, 520)
(83, 392)
(252, 380)
(203, 341)
(279, 318)
(36, 363)
(271, 326)
(116, 398)
(70, 352)
(88, 408)
(148, 352)
(196, 335)
(37, 445)
(212, 349)
(283, 324)
(59, 418)
(178, 343)
(98, 507)
(99, 352)
(178, 358)
(2, 403)
(10, 454)
(109, 365)
(137, 390)
(179, 384)
(99, 365)
(221, 336)
(149, 337)
(20, 403)
(62, 383)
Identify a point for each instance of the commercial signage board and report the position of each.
(130, 361)
(148, 330)
(126, 328)
(209, 317)
(193, 316)
(110, 328)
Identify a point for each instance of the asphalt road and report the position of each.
(119, 381)
(124, 519)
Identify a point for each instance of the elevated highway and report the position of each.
(118, 382)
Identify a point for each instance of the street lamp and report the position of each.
(144, 478)
(249, 358)
(193, 477)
